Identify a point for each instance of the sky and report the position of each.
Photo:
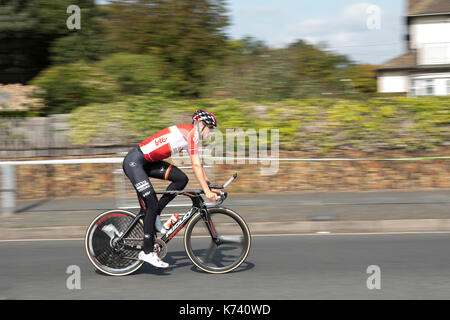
(368, 32)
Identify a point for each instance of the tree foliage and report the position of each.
(23, 50)
(299, 71)
(33, 34)
(188, 35)
(136, 74)
(64, 88)
(87, 43)
(363, 78)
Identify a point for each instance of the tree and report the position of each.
(251, 46)
(316, 63)
(187, 34)
(86, 43)
(32, 30)
(64, 88)
(135, 74)
(363, 77)
(298, 71)
(18, 39)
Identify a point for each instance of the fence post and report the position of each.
(8, 189)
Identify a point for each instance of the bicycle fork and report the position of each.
(210, 225)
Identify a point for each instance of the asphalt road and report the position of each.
(282, 207)
(411, 266)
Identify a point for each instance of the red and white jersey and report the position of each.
(170, 141)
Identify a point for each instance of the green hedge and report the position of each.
(318, 125)
(64, 88)
(18, 114)
(135, 74)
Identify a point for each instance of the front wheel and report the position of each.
(113, 257)
(232, 244)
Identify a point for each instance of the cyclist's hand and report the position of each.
(211, 196)
(217, 191)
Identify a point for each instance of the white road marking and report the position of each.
(265, 235)
(37, 240)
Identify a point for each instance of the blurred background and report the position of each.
(357, 81)
(358, 91)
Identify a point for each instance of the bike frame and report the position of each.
(198, 204)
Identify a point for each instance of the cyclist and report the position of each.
(146, 160)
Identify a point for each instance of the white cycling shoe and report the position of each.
(153, 259)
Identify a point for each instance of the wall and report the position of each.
(439, 81)
(98, 180)
(393, 81)
(430, 29)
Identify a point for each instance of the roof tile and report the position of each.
(418, 7)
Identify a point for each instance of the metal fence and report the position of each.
(125, 194)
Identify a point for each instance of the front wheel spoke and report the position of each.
(237, 240)
(210, 252)
(217, 251)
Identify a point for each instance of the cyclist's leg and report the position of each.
(133, 167)
(167, 171)
(141, 203)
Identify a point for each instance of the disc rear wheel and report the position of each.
(104, 249)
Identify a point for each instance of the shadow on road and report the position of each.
(31, 206)
(179, 259)
(245, 266)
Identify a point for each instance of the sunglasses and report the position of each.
(210, 127)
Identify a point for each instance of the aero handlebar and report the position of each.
(226, 184)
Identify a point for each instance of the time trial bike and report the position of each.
(216, 239)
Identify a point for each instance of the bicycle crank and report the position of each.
(160, 248)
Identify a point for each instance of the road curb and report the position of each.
(353, 226)
(63, 232)
(256, 228)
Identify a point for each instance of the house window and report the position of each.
(448, 86)
(422, 87)
(418, 86)
(430, 88)
(412, 88)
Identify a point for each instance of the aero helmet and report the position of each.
(207, 117)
